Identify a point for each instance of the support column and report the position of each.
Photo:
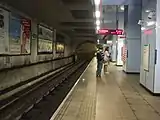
(157, 57)
(120, 40)
(133, 37)
(114, 48)
(114, 43)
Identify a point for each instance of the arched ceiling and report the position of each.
(72, 17)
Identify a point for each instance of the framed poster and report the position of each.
(45, 40)
(25, 36)
(124, 53)
(59, 47)
(19, 34)
(4, 31)
(146, 56)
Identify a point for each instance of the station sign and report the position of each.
(110, 32)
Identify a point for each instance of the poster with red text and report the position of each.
(25, 35)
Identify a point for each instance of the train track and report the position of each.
(41, 100)
(29, 85)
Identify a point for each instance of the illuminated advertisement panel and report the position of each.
(59, 47)
(45, 40)
(110, 32)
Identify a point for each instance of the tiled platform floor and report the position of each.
(115, 96)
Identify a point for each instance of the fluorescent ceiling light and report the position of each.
(98, 27)
(97, 22)
(147, 11)
(97, 2)
(97, 14)
(143, 28)
(151, 23)
(122, 8)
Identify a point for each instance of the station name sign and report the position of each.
(110, 32)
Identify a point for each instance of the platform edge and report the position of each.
(57, 111)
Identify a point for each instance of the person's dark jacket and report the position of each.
(100, 56)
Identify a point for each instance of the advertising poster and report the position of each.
(25, 35)
(19, 34)
(59, 47)
(124, 53)
(4, 30)
(45, 40)
(15, 34)
(146, 57)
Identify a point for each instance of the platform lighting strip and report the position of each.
(97, 13)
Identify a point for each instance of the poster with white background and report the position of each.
(4, 30)
(146, 53)
(45, 40)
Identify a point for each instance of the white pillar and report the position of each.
(120, 40)
(114, 49)
(157, 66)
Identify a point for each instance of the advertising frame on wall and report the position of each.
(19, 35)
(146, 57)
(4, 31)
(60, 47)
(44, 40)
(12, 32)
(26, 35)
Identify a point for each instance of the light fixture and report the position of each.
(150, 23)
(147, 11)
(143, 28)
(98, 27)
(97, 13)
(97, 2)
(97, 22)
(97, 41)
(122, 8)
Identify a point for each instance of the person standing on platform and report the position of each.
(106, 59)
(99, 63)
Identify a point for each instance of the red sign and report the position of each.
(103, 31)
(26, 27)
(26, 32)
(148, 32)
(110, 32)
